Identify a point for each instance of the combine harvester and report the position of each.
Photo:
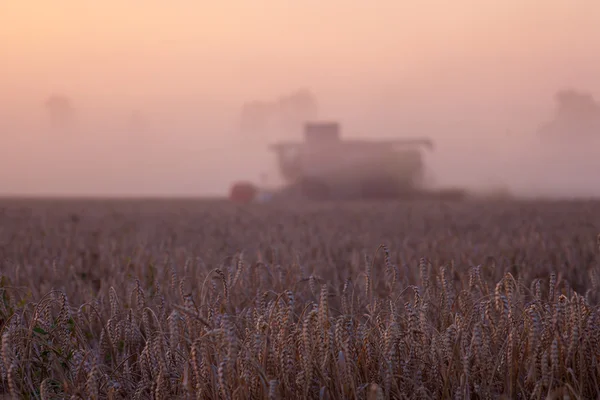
(326, 167)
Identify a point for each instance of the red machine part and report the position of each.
(243, 192)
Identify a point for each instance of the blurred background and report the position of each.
(181, 98)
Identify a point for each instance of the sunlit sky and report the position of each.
(194, 60)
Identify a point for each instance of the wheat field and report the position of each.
(184, 299)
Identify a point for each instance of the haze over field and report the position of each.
(157, 89)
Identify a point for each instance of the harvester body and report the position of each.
(325, 166)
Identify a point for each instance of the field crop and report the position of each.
(207, 300)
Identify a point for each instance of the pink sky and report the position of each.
(447, 69)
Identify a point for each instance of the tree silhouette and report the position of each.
(297, 108)
(577, 114)
(287, 112)
(60, 110)
(137, 121)
(576, 105)
(255, 116)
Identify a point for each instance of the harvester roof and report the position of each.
(325, 134)
(362, 143)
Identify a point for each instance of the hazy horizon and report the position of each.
(477, 77)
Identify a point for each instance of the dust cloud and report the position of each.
(186, 101)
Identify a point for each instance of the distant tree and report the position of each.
(297, 108)
(577, 113)
(60, 110)
(288, 112)
(572, 104)
(255, 116)
(137, 121)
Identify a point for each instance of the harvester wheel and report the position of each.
(379, 189)
(313, 189)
